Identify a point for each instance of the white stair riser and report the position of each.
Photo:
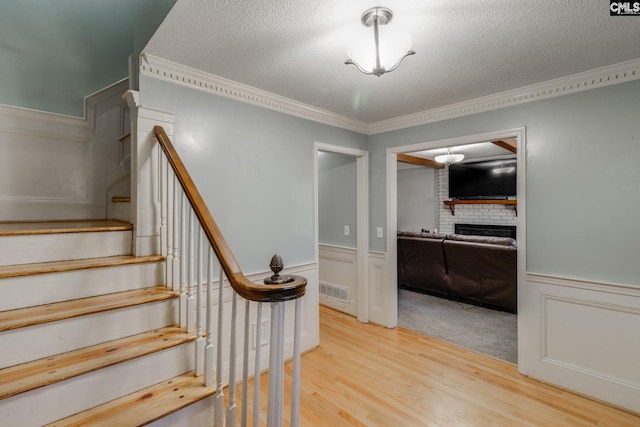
(32, 248)
(60, 400)
(198, 414)
(40, 289)
(35, 342)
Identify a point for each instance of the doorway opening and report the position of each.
(341, 227)
(437, 224)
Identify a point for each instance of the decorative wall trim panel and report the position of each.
(338, 266)
(588, 338)
(170, 71)
(53, 165)
(379, 289)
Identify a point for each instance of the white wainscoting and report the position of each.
(309, 327)
(587, 338)
(338, 269)
(379, 290)
(53, 166)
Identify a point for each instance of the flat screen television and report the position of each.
(489, 179)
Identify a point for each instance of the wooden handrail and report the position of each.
(239, 282)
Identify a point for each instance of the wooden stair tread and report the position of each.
(49, 370)
(121, 199)
(29, 316)
(72, 265)
(144, 406)
(14, 228)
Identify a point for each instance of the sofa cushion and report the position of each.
(482, 272)
(421, 264)
(503, 241)
(421, 234)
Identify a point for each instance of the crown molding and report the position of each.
(600, 77)
(167, 70)
(171, 71)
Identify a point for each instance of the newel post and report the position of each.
(276, 352)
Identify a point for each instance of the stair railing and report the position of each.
(190, 239)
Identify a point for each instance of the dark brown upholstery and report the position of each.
(477, 269)
(483, 273)
(421, 263)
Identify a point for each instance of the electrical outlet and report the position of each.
(379, 233)
(347, 231)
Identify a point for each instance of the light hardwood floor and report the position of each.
(367, 375)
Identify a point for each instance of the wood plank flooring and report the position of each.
(367, 375)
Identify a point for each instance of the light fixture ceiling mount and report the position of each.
(449, 157)
(385, 51)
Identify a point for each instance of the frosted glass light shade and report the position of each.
(449, 157)
(394, 44)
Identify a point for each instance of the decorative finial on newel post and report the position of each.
(276, 266)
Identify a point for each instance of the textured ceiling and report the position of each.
(464, 49)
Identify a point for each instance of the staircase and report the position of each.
(88, 332)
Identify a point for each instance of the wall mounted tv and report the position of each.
(489, 179)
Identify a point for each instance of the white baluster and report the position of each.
(168, 205)
(219, 402)
(274, 399)
(231, 406)
(183, 262)
(199, 329)
(256, 375)
(191, 300)
(295, 378)
(163, 202)
(208, 359)
(245, 366)
(177, 221)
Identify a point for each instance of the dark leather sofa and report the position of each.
(477, 269)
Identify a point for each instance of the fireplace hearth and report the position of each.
(486, 230)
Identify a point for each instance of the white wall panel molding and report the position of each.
(615, 288)
(53, 166)
(587, 336)
(23, 121)
(145, 191)
(167, 70)
(600, 77)
(339, 269)
(379, 290)
(310, 321)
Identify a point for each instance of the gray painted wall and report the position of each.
(337, 192)
(253, 166)
(583, 201)
(417, 199)
(70, 48)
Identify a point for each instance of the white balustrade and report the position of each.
(190, 269)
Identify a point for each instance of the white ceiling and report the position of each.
(472, 152)
(464, 49)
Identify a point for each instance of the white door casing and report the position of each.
(362, 209)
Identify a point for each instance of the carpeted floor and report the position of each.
(487, 331)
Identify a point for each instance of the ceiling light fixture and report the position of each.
(387, 49)
(449, 157)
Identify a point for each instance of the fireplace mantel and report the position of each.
(452, 203)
